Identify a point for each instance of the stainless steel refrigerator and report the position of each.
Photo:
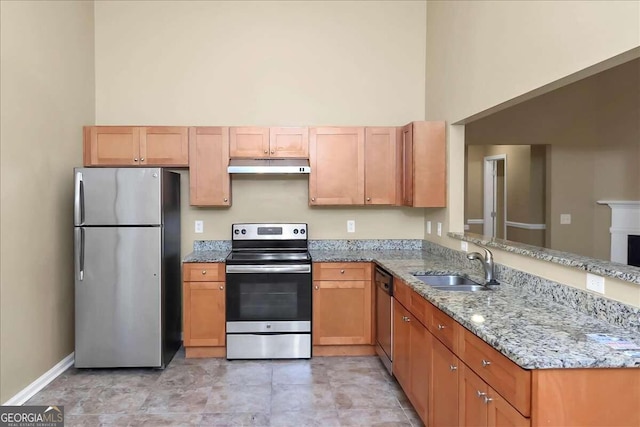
(127, 267)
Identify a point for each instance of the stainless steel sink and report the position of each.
(451, 282)
(448, 280)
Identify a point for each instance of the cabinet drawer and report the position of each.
(420, 308)
(342, 271)
(402, 292)
(445, 329)
(203, 272)
(511, 381)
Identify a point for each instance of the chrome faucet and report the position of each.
(487, 264)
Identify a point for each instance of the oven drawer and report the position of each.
(203, 272)
(342, 271)
(280, 346)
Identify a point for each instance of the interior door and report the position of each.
(117, 296)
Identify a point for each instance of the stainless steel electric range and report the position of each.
(268, 296)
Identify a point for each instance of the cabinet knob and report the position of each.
(441, 327)
(480, 393)
(317, 287)
(368, 199)
(142, 159)
(221, 288)
(226, 200)
(486, 363)
(487, 399)
(204, 272)
(453, 367)
(406, 319)
(266, 151)
(341, 271)
(273, 152)
(313, 199)
(135, 160)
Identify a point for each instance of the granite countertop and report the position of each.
(206, 256)
(528, 328)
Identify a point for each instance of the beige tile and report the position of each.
(413, 416)
(312, 418)
(185, 400)
(166, 420)
(244, 373)
(305, 397)
(299, 373)
(236, 398)
(108, 420)
(111, 400)
(352, 396)
(185, 376)
(390, 417)
(236, 419)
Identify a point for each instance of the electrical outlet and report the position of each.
(439, 229)
(428, 227)
(595, 283)
(565, 219)
(199, 226)
(351, 226)
(464, 246)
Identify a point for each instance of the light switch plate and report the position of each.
(464, 246)
(595, 283)
(428, 227)
(565, 219)
(199, 226)
(439, 229)
(351, 226)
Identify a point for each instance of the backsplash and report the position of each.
(212, 245)
(611, 311)
(366, 244)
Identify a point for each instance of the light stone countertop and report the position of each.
(207, 256)
(528, 328)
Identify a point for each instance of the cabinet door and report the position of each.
(248, 142)
(473, 399)
(204, 314)
(501, 414)
(336, 156)
(429, 165)
(342, 312)
(407, 165)
(380, 166)
(209, 183)
(402, 347)
(164, 146)
(443, 387)
(289, 142)
(111, 146)
(420, 357)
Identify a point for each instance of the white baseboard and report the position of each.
(29, 391)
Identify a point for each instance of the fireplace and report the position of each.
(625, 231)
(633, 250)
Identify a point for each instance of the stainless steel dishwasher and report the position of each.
(384, 317)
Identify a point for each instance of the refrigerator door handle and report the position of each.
(78, 202)
(79, 261)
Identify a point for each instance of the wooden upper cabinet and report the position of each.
(209, 183)
(263, 142)
(381, 166)
(336, 156)
(289, 142)
(136, 146)
(111, 146)
(164, 146)
(248, 142)
(424, 164)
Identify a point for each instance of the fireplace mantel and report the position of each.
(625, 220)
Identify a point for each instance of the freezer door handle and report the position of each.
(79, 261)
(78, 201)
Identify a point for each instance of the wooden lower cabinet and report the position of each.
(411, 349)
(203, 309)
(342, 309)
(443, 387)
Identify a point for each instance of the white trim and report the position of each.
(490, 195)
(29, 391)
(625, 220)
(475, 221)
(526, 225)
(466, 227)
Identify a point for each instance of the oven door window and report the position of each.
(268, 297)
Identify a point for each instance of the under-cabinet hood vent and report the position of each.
(270, 166)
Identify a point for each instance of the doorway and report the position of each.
(495, 196)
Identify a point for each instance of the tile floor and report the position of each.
(323, 391)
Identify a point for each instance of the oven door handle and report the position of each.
(235, 269)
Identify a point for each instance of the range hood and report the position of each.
(270, 166)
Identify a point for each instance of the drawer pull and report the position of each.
(204, 272)
(341, 271)
(480, 393)
(487, 399)
(405, 318)
(441, 327)
(317, 287)
(221, 288)
(453, 367)
(486, 363)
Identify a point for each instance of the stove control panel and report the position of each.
(269, 231)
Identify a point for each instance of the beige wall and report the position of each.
(266, 63)
(500, 51)
(47, 87)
